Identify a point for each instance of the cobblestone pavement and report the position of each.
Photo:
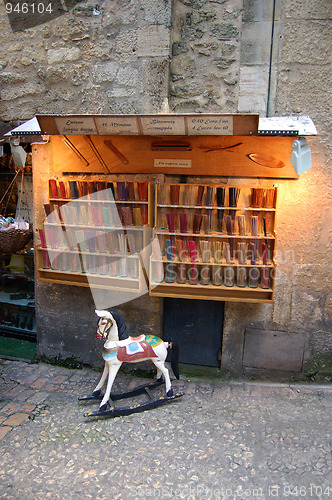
(221, 440)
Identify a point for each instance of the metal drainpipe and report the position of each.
(271, 57)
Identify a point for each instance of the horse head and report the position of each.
(104, 325)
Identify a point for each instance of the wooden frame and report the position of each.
(245, 228)
(96, 237)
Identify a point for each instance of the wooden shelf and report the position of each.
(214, 235)
(245, 213)
(211, 292)
(74, 256)
(211, 264)
(124, 284)
(96, 228)
(214, 207)
(91, 200)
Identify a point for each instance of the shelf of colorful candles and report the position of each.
(186, 262)
(239, 226)
(223, 198)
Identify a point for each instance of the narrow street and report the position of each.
(221, 440)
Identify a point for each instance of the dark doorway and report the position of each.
(196, 325)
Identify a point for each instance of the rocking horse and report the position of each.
(119, 347)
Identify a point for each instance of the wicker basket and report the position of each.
(13, 240)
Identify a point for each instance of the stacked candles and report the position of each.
(170, 273)
(193, 273)
(229, 271)
(265, 277)
(197, 223)
(143, 191)
(133, 260)
(123, 254)
(206, 257)
(175, 194)
(217, 257)
(181, 247)
(233, 195)
(241, 224)
(158, 273)
(162, 201)
(241, 274)
(183, 224)
(171, 226)
(46, 260)
(253, 272)
(187, 196)
(257, 196)
(229, 229)
(269, 203)
(200, 192)
(220, 203)
(207, 223)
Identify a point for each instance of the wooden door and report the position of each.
(196, 325)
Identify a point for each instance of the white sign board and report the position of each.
(76, 125)
(117, 125)
(210, 125)
(163, 125)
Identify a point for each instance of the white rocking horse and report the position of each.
(120, 347)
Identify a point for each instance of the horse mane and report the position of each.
(122, 328)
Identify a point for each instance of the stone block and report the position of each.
(126, 44)
(127, 76)
(63, 54)
(259, 10)
(253, 89)
(224, 31)
(153, 41)
(15, 92)
(273, 350)
(302, 9)
(307, 42)
(256, 43)
(105, 72)
(154, 75)
(156, 12)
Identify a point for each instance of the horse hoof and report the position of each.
(170, 393)
(103, 408)
(96, 393)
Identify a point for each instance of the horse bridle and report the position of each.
(101, 335)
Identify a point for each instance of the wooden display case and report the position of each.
(95, 233)
(214, 242)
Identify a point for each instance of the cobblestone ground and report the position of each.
(221, 440)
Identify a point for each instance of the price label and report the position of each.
(76, 125)
(117, 125)
(210, 125)
(163, 125)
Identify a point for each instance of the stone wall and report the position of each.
(113, 60)
(223, 56)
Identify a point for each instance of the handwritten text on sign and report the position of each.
(210, 125)
(76, 125)
(166, 163)
(163, 125)
(117, 125)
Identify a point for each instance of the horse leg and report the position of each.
(113, 368)
(162, 368)
(101, 382)
(159, 374)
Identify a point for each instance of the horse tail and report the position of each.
(174, 354)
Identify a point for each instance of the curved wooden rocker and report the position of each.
(119, 347)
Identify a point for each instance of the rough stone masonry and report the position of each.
(224, 56)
